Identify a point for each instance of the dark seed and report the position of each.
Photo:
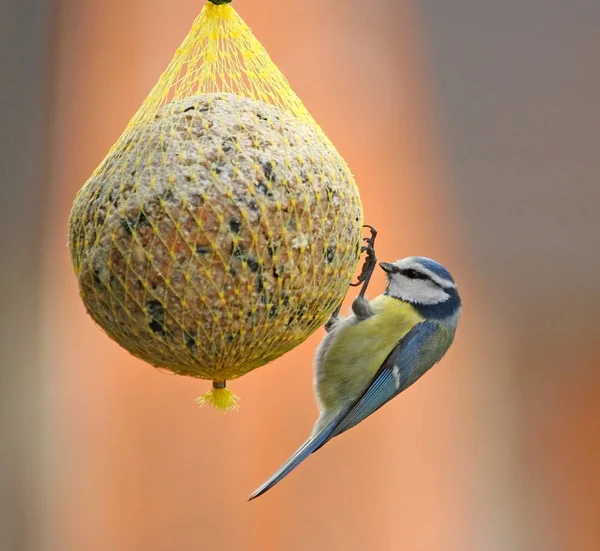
(157, 327)
(131, 224)
(168, 195)
(268, 170)
(142, 220)
(262, 188)
(229, 144)
(125, 225)
(203, 249)
(157, 313)
(235, 226)
(155, 308)
(190, 342)
(191, 108)
(330, 255)
(253, 264)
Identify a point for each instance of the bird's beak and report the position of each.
(387, 267)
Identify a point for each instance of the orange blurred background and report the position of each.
(473, 132)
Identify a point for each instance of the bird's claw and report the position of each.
(365, 274)
(370, 261)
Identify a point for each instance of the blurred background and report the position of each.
(473, 129)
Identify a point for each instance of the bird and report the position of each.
(377, 352)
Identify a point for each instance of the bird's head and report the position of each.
(424, 283)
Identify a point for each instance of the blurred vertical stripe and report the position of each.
(24, 42)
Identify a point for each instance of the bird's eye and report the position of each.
(413, 274)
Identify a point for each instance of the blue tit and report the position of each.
(381, 349)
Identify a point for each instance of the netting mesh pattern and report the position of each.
(223, 227)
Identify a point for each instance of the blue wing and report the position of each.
(400, 369)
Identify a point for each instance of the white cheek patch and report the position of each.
(417, 291)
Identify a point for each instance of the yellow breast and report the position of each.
(358, 349)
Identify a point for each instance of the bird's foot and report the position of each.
(364, 276)
(370, 262)
(362, 308)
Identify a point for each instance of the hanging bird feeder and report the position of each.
(223, 227)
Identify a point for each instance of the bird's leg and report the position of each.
(369, 264)
(360, 306)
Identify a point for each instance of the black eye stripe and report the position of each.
(413, 274)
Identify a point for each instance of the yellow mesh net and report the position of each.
(223, 227)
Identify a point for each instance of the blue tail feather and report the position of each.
(310, 446)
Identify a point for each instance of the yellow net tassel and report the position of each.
(219, 397)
